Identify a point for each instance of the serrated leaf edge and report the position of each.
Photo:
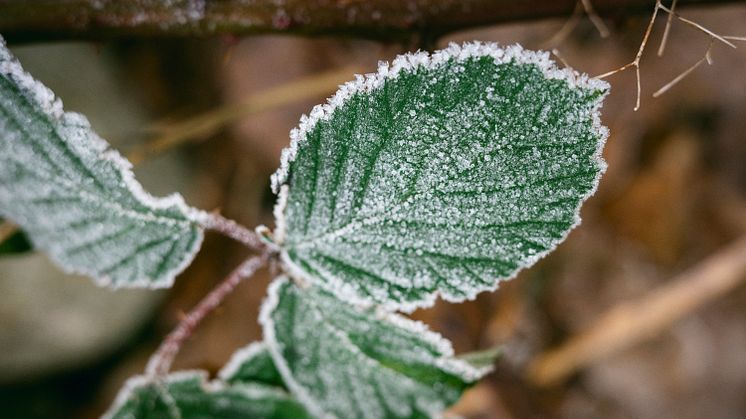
(239, 358)
(513, 53)
(452, 365)
(40, 94)
(409, 61)
(210, 386)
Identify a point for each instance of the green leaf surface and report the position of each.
(188, 395)
(252, 364)
(77, 199)
(438, 174)
(341, 361)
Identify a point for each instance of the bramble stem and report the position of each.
(160, 362)
(234, 230)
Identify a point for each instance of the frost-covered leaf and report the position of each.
(339, 360)
(188, 395)
(442, 173)
(252, 364)
(77, 199)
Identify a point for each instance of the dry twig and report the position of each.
(632, 322)
(686, 72)
(671, 14)
(601, 27)
(705, 58)
(636, 62)
(567, 27)
(695, 25)
(666, 31)
(572, 22)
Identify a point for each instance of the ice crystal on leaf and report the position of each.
(439, 174)
(341, 361)
(77, 199)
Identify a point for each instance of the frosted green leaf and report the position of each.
(440, 173)
(188, 395)
(252, 364)
(341, 361)
(77, 199)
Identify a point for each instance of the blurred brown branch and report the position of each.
(29, 20)
(202, 126)
(634, 321)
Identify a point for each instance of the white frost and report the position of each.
(240, 357)
(107, 166)
(326, 355)
(367, 244)
(410, 61)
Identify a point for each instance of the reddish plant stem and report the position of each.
(160, 362)
(232, 229)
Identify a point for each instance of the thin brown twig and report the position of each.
(705, 59)
(734, 38)
(567, 27)
(664, 40)
(671, 14)
(695, 25)
(601, 27)
(636, 62)
(630, 323)
(160, 362)
(572, 22)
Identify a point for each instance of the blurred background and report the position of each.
(629, 318)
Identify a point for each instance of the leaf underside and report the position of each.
(187, 395)
(341, 361)
(453, 174)
(76, 199)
